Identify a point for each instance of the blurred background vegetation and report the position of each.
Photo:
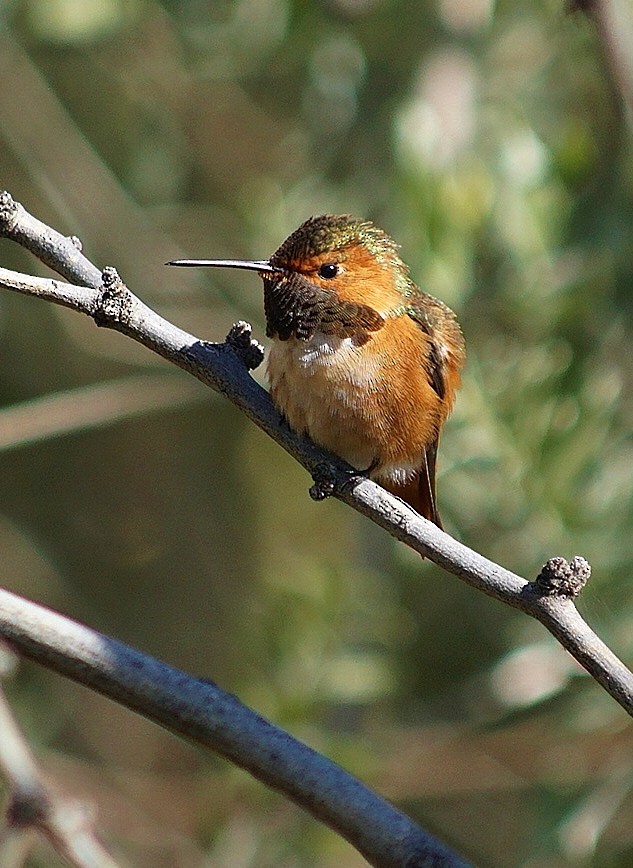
(489, 141)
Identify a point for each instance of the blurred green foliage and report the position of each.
(489, 140)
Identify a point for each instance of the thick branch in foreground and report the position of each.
(202, 712)
(110, 303)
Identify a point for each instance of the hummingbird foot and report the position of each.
(250, 351)
(324, 482)
(327, 482)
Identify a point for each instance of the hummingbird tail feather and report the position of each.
(419, 492)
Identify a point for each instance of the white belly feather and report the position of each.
(321, 386)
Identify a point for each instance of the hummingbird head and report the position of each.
(334, 250)
(329, 266)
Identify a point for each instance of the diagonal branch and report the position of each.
(111, 304)
(199, 709)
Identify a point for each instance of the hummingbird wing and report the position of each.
(443, 357)
(433, 318)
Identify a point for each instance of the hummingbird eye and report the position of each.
(328, 270)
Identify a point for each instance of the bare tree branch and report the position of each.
(221, 366)
(199, 709)
(203, 712)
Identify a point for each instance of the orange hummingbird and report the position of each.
(362, 361)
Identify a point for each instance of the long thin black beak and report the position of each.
(249, 264)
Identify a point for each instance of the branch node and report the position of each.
(241, 339)
(558, 578)
(76, 242)
(8, 213)
(115, 300)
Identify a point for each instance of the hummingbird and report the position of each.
(362, 361)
